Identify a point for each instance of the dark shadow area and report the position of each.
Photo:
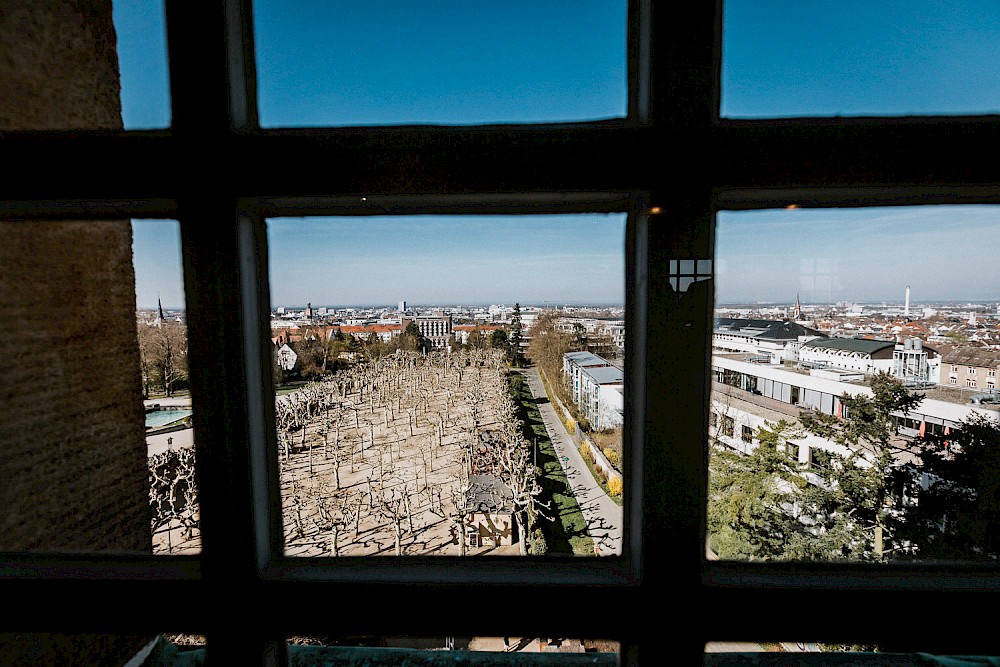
(556, 490)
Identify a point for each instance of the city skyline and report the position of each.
(548, 64)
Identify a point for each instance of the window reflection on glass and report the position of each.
(843, 422)
(449, 385)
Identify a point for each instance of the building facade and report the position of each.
(436, 328)
(975, 368)
(773, 341)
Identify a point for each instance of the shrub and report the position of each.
(615, 486)
(536, 543)
(570, 426)
(612, 456)
(585, 452)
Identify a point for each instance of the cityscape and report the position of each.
(435, 413)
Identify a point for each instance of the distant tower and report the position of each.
(309, 309)
(159, 307)
(402, 306)
(798, 308)
(906, 308)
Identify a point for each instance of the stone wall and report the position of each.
(58, 65)
(72, 451)
(74, 454)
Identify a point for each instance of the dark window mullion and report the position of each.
(202, 54)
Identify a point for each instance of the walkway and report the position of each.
(604, 516)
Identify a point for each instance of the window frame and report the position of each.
(674, 59)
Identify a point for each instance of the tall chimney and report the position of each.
(906, 308)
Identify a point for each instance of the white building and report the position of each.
(286, 357)
(436, 328)
(573, 365)
(773, 341)
(744, 395)
(910, 361)
(602, 396)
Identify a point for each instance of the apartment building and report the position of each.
(436, 328)
(975, 368)
(573, 365)
(602, 396)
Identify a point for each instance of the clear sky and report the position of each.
(448, 260)
(340, 63)
(943, 253)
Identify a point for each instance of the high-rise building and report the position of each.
(402, 306)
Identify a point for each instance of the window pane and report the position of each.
(142, 59)
(162, 334)
(857, 58)
(841, 357)
(345, 63)
(411, 409)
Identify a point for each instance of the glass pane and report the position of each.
(855, 58)
(344, 63)
(142, 60)
(853, 390)
(411, 409)
(162, 334)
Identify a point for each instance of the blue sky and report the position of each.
(394, 62)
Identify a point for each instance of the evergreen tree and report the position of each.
(412, 340)
(957, 488)
(761, 505)
(514, 355)
(498, 339)
(866, 477)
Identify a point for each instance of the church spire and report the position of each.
(160, 307)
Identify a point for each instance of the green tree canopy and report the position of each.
(865, 477)
(498, 339)
(514, 354)
(957, 488)
(761, 505)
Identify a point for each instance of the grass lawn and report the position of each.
(290, 388)
(590, 464)
(568, 533)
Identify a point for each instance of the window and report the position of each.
(746, 433)
(220, 176)
(972, 370)
(728, 426)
